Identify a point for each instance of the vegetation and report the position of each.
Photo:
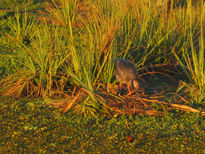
(62, 52)
(32, 126)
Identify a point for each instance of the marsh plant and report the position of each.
(68, 50)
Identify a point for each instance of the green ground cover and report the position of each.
(31, 126)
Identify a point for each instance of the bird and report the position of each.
(126, 73)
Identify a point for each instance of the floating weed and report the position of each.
(170, 133)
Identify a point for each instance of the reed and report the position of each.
(192, 52)
(70, 52)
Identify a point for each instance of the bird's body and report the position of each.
(126, 73)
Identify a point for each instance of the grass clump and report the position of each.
(66, 50)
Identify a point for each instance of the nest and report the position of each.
(150, 101)
(154, 98)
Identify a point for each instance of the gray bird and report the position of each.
(126, 73)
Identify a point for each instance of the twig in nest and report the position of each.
(186, 108)
(139, 111)
(165, 74)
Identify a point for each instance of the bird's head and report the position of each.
(135, 84)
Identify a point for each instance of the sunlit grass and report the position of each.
(193, 56)
(62, 53)
(70, 52)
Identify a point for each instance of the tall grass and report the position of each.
(70, 53)
(193, 52)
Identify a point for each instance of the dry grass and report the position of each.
(72, 46)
